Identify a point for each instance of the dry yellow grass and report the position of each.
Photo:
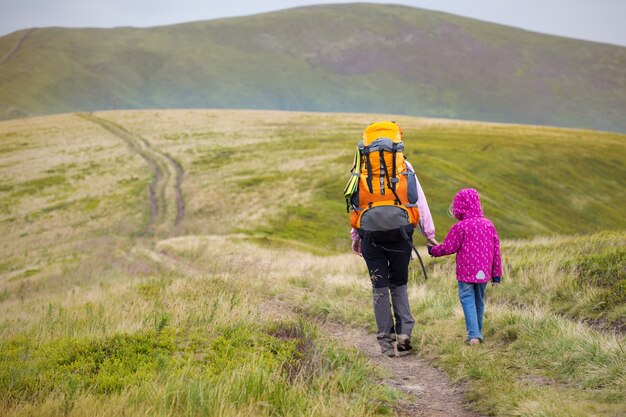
(70, 192)
(75, 200)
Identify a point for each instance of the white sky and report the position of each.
(596, 20)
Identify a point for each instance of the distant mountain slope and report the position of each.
(354, 57)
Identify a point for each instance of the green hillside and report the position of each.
(337, 58)
(190, 262)
(290, 169)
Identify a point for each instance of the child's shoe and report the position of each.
(473, 341)
(403, 344)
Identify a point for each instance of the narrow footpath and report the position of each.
(430, 392)
(430, 388)
(17, 46)
(165, 189)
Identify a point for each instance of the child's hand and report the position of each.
(430, 249)
(495, 281)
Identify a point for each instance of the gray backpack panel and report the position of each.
(385, 144)
(383, 218)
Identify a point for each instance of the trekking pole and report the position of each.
(410, 242)
(420, 259)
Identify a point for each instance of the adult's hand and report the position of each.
(432, 241)
(356, 247)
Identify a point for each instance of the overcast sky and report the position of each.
(597, 20)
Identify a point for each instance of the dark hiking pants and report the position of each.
(388, 265)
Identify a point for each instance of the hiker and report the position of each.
(475, 241)
(386, 248)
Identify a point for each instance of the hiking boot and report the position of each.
(386, 345)
(390, 353)
(473, 341)
(403, 345)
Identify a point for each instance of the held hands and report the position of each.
(430, 242)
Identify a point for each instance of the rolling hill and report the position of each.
(191, 262)
(290, 168)
(335, 58)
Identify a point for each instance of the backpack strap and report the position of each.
(356, 159)
(352, 186)
(393, 190)
(368, 164)
(383, 172)
(394, 180)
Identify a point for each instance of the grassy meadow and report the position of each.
(110, 306)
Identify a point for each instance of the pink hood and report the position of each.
(466, 204)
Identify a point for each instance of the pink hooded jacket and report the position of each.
(474, 239)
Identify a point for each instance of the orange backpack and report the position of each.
(381, 194)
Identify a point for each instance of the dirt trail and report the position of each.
(163, 192)
(17, 46)
(433, 393)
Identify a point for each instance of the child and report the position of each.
(475, 241)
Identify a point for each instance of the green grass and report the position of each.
(231, 366)
(537, 353)
(545, 187)
(579, 277)
(220, 318)
(604, 273)
(39, 185)
(104, 366)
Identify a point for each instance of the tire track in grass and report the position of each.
(17, 46)
(165, 190)
(178, 188)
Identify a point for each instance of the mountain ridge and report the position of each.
(336, 58)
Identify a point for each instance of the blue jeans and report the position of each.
(472, 296)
